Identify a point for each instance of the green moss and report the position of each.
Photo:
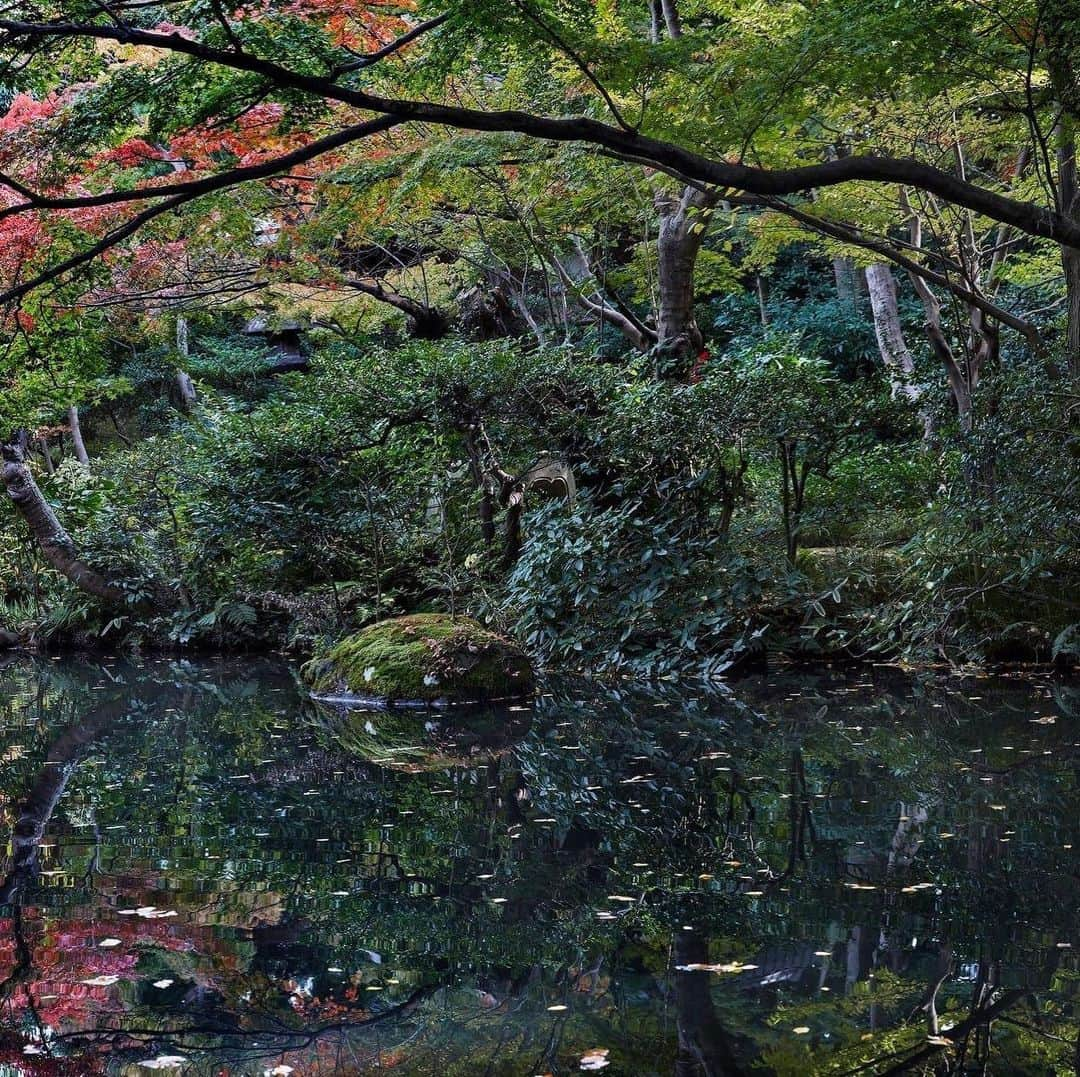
(426, 656)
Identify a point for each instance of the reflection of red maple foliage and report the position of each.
(65, 953)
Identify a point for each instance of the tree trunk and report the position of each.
(76, 436)
(185, 388)
(424, 322)
(762, 290)
(46, 455)
(895, 354)
(705, 1048)
(684, 220)
(656, 18)
(56, 545)
(1070, 256)
(846, 276)
(671, 18)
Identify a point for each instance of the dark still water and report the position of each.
(843, 873)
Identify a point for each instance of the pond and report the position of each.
(844, 872)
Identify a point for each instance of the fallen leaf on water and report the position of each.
(734, 966)
(596, 1059)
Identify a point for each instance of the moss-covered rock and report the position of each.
(423, 658)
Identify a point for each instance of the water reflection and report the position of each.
(867, 873)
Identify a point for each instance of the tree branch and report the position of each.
(190, 191)
(388, 50)
(850, 234)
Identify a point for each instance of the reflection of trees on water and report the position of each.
(785, 826)
(212, 1034)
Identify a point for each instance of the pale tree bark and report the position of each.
(656, 21)
(185, 387)
(762, 291)
(55, 543)
(577, 276)
(76, 436)
(46, 455)
(881, 284)
(844, 275)
(672, 22)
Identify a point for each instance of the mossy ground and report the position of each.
(423, 657)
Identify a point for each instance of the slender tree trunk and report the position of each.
(56, 545)
(185, 388)
(1069, 192)
(895, 354)
(845, 275)
(762, 290)
(76, 436)
(46, 455)
(788, 498)
(515, 506)
(656, 20)
(671, 18)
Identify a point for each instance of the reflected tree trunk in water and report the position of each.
(704, 1046)
(942, 972)
(988, 1003)
(43, 796)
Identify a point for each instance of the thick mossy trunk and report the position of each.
(55, 543)
(684, 219)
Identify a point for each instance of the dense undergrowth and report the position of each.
(284, 512)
